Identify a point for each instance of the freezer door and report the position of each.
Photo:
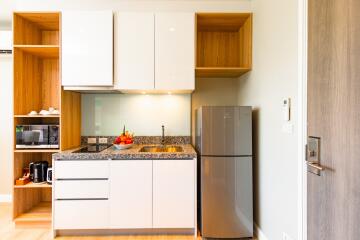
(225, 131)
(226, 197)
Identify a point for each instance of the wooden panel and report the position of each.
(218, 49)
(24, 200)
(333, 104)
(221, 21)
(33, 185)
(217, 72)
(43, 51)
(41, 212)
(245, 37)
(50, 37)
(43, 20)
(36, 116)
(36, 28)
(27, 82)
(51, 86)
(70, 120)
(25, 32)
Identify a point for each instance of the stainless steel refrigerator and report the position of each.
(224, 144)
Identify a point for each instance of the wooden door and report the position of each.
(174, 51)
(134, 51)
(131, 194)
(334, 116)
(87, 48)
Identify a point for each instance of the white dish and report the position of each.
(123, 146)
(33, 113)
(44, 112)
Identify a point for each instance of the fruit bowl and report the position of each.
(123, 146)
(124, 141)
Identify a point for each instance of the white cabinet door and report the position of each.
(134, 51)
(87, 48)
(81, 214)
(174, 193)
(174, 51)
(131, 194)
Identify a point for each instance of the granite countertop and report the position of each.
(132, 153)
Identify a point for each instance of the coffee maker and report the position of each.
(38, 171)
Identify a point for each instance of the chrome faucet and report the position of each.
(163, 135)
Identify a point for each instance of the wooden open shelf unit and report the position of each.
(37, 86)
(223, 44)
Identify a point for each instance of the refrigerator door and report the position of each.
(225, 131)
(226, 197)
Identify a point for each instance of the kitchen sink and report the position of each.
(172, 149)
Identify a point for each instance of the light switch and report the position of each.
(286, 109)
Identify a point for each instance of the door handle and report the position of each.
(315, 165)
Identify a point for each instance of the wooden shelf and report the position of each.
(223, 44)
(39, 213)
(213, 72)
(33, 185)
(44, 51)
(36, 116)
(36, 150)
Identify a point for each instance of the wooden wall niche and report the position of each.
(36, 28)
(36, 81)
(223, 44)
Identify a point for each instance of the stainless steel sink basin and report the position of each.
(172, 149)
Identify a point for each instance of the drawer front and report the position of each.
(81, 189)
(81, 169)
(81, 214)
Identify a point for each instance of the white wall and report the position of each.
(6, 134)
(106, 114)
(274, 76)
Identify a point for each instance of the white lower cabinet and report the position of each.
(131, 194)
(124, 194)
(174, 194)
(81, 214)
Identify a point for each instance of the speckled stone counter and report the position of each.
(132, 153)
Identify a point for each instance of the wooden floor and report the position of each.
(8, 232)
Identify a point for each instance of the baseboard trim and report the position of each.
(258, 233)
(5, 198)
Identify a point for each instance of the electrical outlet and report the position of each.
(286, 237)
(103, 140)
(91, 140)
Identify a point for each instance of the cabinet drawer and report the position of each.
(81, 169)
(81, 189)
(81, 214)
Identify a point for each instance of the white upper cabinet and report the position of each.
(174, 51)
(134, 51)
(87, 48)
(155, 51)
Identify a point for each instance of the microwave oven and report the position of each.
(37, 136)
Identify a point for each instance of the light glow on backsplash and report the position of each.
(143, 114)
